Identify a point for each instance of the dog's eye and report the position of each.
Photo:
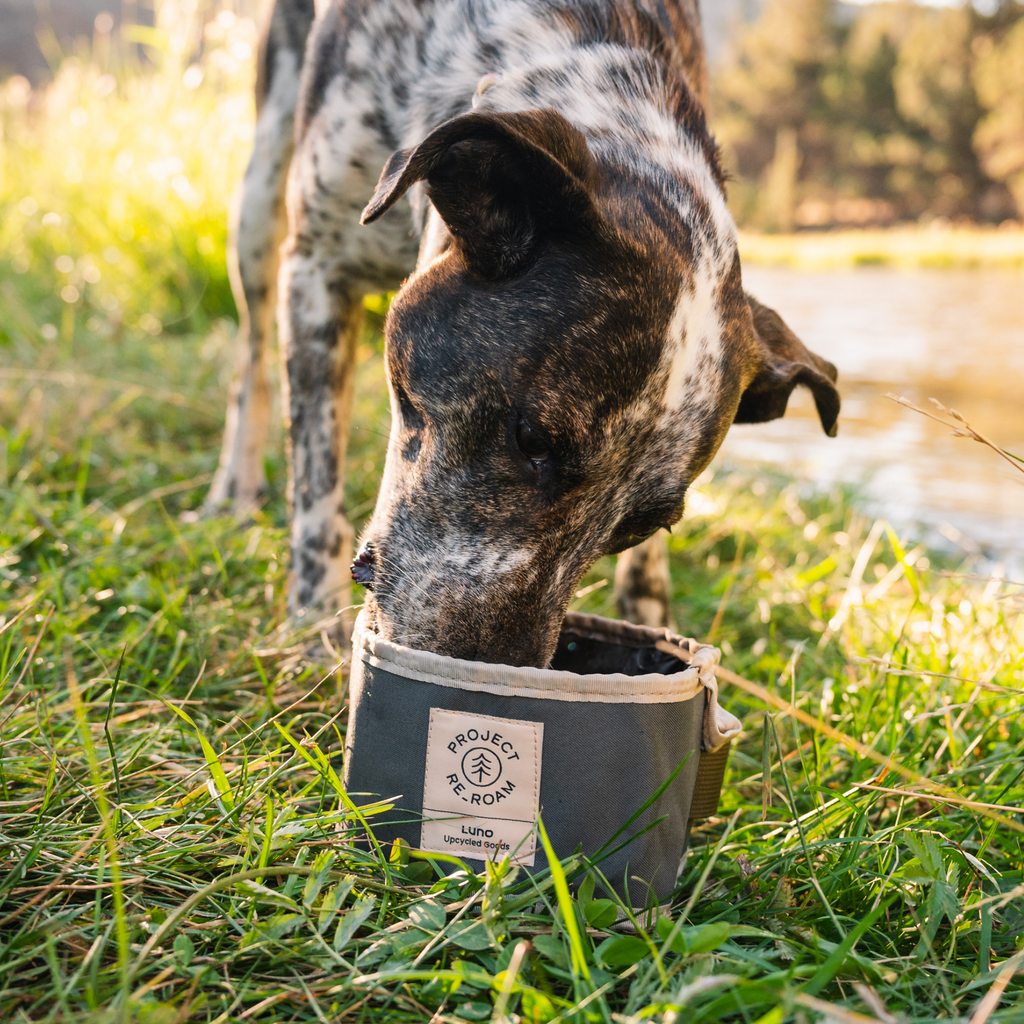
(530, 443)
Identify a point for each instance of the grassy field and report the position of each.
(174, 841)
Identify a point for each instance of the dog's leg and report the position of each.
(240, 478)
(346, 129)
(319, 322)
(253, 260)
(642, 584)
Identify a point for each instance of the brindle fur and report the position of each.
(547, 178)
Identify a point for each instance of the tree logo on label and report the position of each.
(481, 767)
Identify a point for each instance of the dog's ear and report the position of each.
(501, 182)
(787, 363)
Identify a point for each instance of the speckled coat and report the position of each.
(571, 341)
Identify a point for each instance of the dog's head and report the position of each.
(559, 374)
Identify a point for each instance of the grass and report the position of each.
(174, 842)
(114, 183)
(935, 247)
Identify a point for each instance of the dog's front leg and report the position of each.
(642, 584)
(319, 323)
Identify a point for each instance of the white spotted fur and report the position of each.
(330, 261)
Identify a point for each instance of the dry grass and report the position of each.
(936, 247)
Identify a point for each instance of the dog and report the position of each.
(572, 339)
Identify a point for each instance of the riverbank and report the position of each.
(936, 246)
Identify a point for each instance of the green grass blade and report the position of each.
(220, 779)
(566, 906)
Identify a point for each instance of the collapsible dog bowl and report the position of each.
(471, 752)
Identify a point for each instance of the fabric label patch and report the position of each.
(481, 787)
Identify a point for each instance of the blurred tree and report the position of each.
(999, 79)
(828, 115)
(770, 104)
(935, 91)
(855, 178)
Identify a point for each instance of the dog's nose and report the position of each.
(362, 566)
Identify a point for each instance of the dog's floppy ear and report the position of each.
(787, 363)
(501, 182)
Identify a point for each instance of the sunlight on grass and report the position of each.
(114, 190)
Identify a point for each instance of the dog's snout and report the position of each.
(363, 566)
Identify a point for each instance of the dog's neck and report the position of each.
(629, 74)
(641, 116)
(642, 123)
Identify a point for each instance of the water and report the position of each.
(957, 336)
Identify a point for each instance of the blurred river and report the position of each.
(957, 336)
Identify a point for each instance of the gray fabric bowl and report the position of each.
(470, 752)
